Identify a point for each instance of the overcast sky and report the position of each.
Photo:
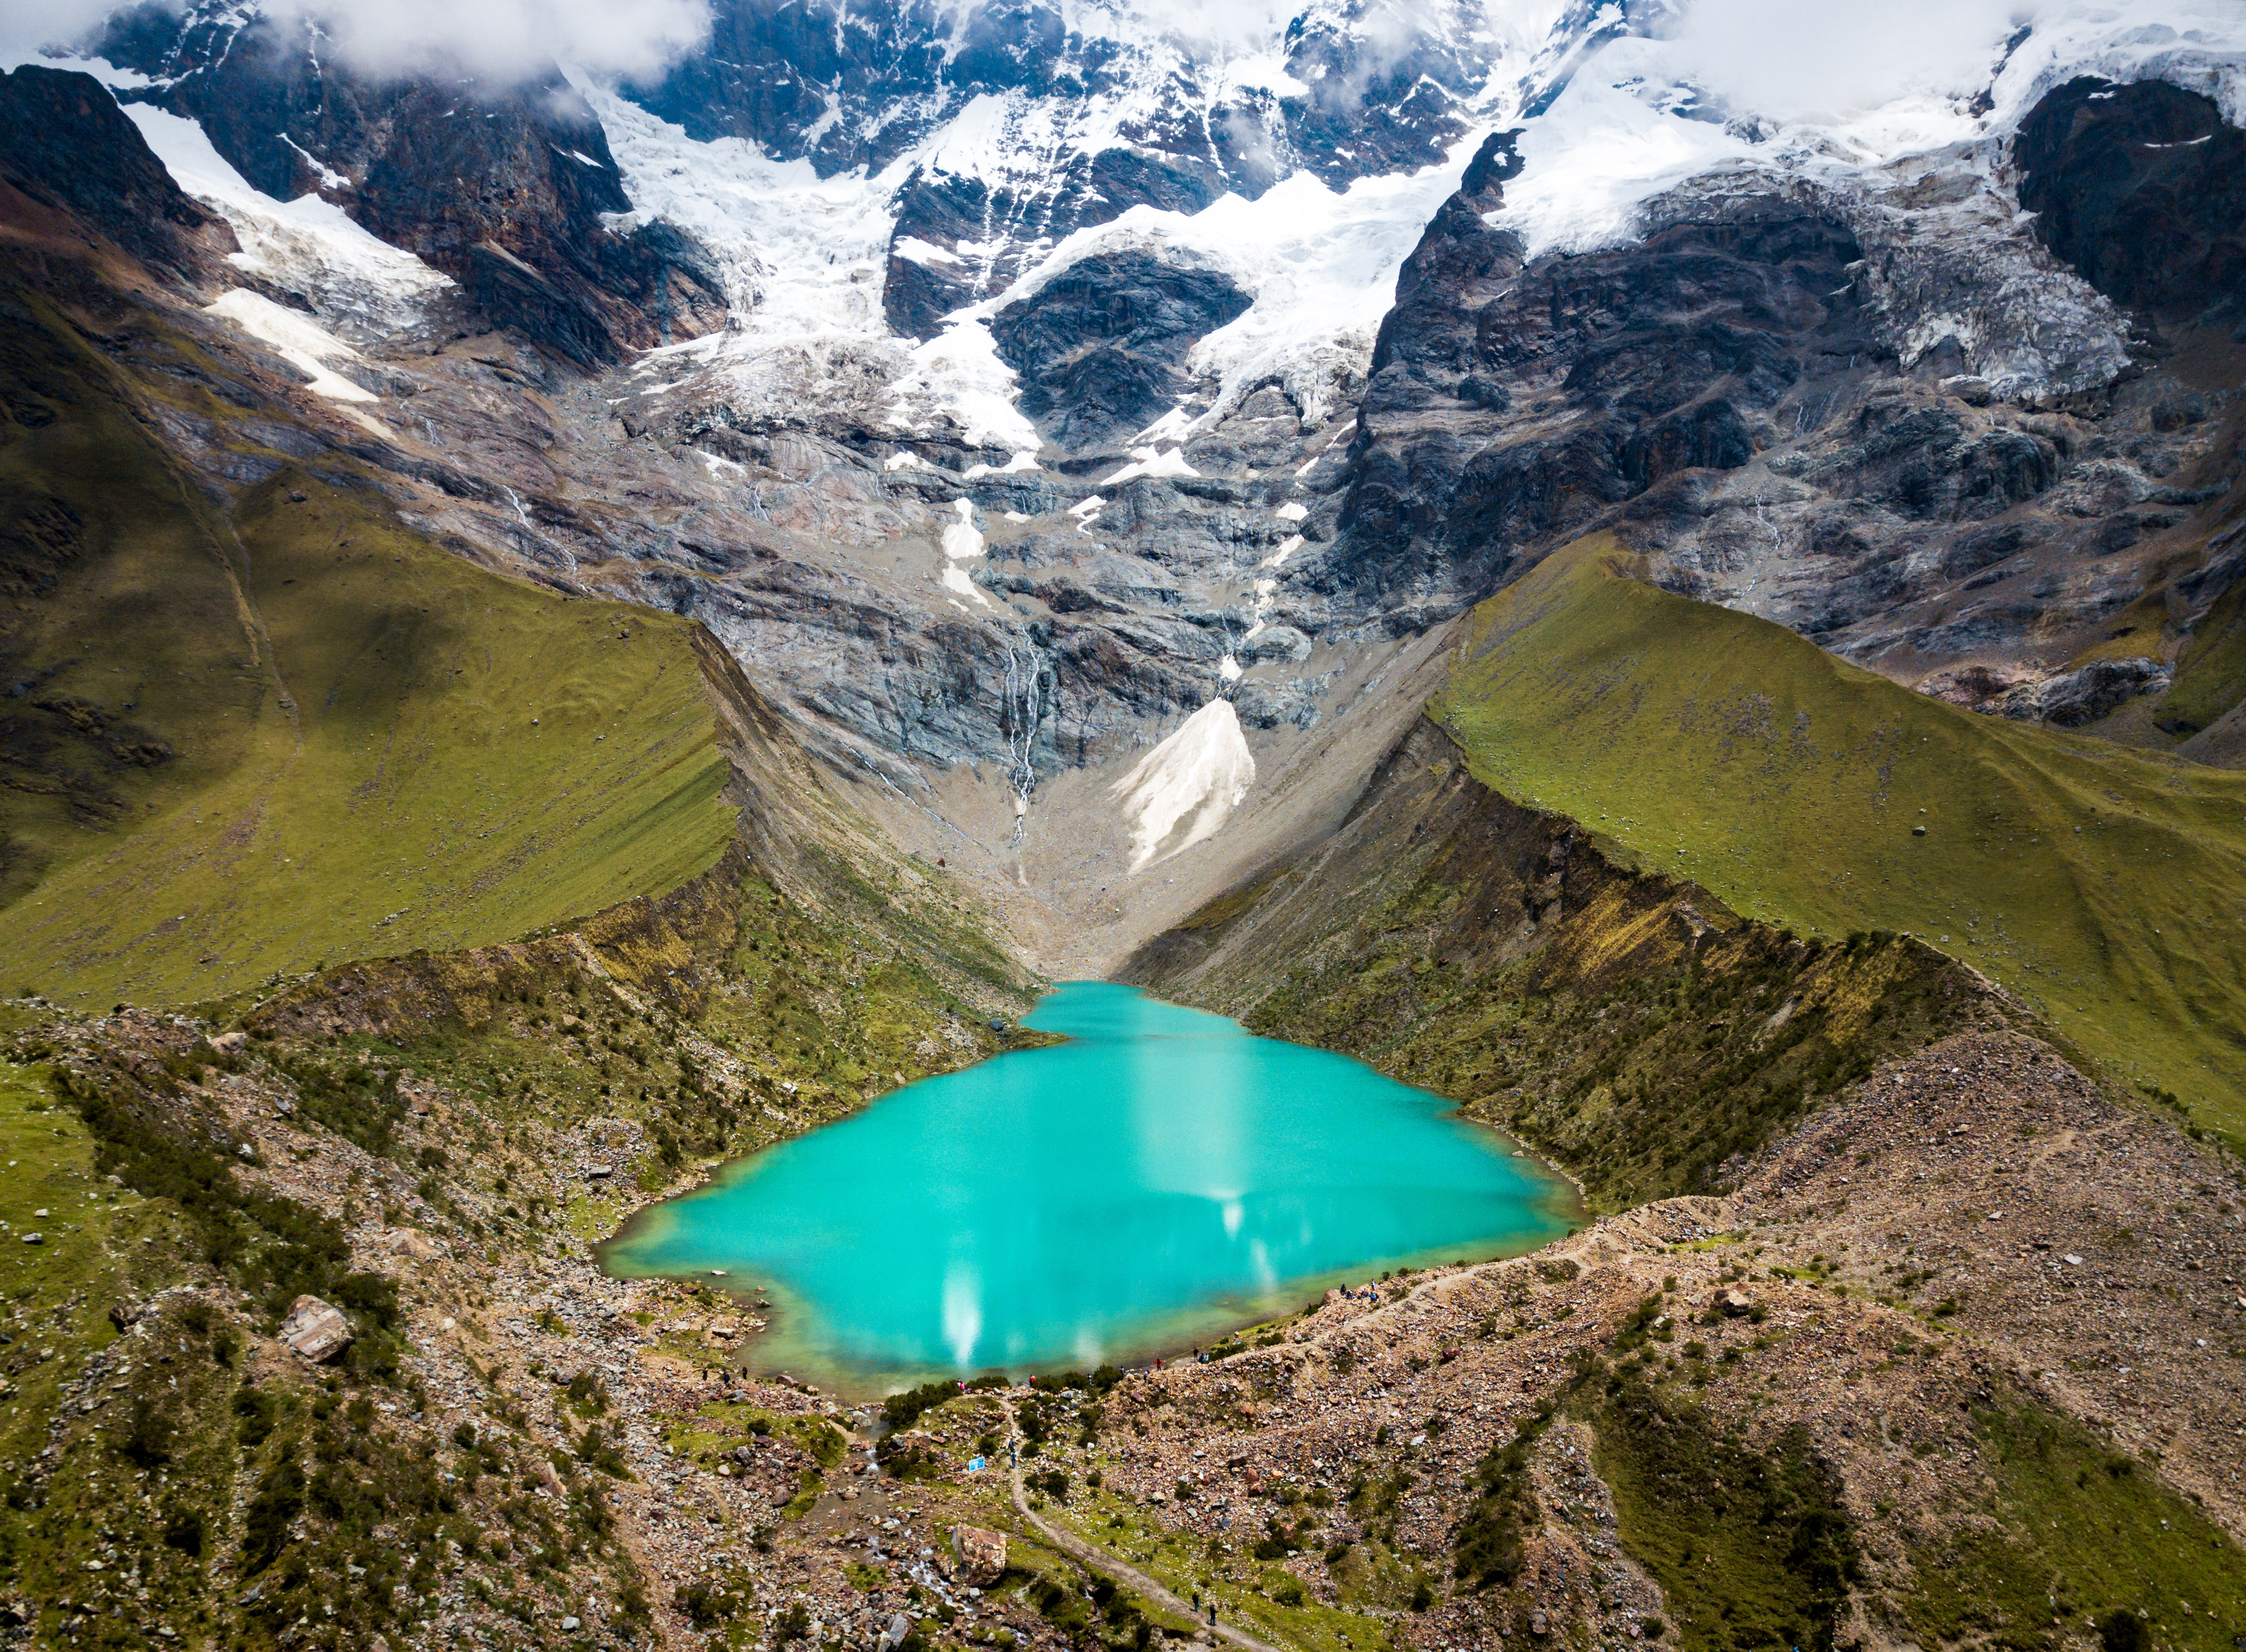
(1792, 58)
(1778, 56)
(489, 37)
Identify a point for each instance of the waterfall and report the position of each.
(1022, 708)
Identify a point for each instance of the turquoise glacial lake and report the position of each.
(1161, 1178)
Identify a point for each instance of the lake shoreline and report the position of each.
(1142, 1182)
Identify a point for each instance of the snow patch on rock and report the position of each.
(308, 245)
(305, 346)
(1182, 791)
(962, 543)
(1147, 462)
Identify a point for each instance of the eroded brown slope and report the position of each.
(1628, 1022)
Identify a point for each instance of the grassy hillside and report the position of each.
(1620, 1021)
(2102, 886)
(2211, 674)
(260, 738)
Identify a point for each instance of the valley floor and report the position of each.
(1954, 1361)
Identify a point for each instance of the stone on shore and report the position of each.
(982, 1554)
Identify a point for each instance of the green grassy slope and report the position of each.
(102, 541)
(2101, 884)
(2211, 674)
(295, 732)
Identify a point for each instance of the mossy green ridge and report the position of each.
(1751, 1546)
(290, 729)
(137, 1465)
(244, 1491)
(2071, 1531)
(638, 1014)
(2101, 884)
(2210, 675)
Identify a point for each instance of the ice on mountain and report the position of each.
(1260, 71)
(1016, 465)
(962, 543)
(799, 257)
(1292, 511)
(306, 346)
(1172, 426)
(1603, 149)
(1320, 266)
(961, 540)
(954, 578)
(301, 342)
(957, 376)
(308, 245)
(913, 249)
(1147, 461)
(1182, 791)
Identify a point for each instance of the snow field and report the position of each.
(1189, 783)
(962, 543)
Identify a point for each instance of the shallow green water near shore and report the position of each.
(1162, 1176)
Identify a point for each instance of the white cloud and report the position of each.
(497, 38)
(1242, 25)
(29, 27)
(1808, 59)
(505, 38)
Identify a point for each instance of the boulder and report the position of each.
(982, 1554)
(315, 1331)
(894, 1636)
(230, 1044)
(412, 1241)
(1732, 1304)
(2076, 697)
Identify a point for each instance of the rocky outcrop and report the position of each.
(314, 1331)
(982, 1554)
(1512, 402)
(63, 142)
(2066, 700)
(2073, 698)
(2142, 189)
(502, 187)
(1101, 348)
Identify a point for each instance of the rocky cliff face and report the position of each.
(2142, 189)
(501, 187)
(65, 145)
(1082, 116)
(1030, 383)
(1732, 392)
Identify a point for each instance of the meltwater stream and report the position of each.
(1162, 1176)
